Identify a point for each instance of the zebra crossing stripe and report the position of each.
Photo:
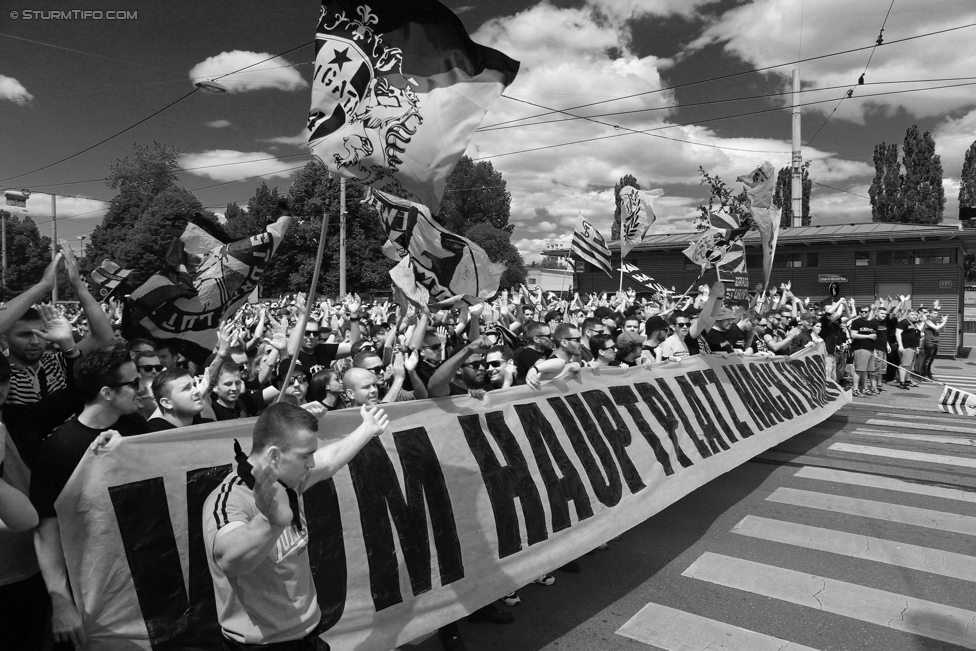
(887, 609)
(908, 455)
(938, 427)
(889, 552)
(925, 438)
(676, 630)
(912, 515)
(887, 483)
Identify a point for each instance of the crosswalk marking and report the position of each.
(926, 426)
(934, 418)
(924, 438)
(912, 515)
(677, 630)
(925, 457)
(887, 483)
(895, 611)
(889, 552)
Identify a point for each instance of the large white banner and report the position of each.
(460, 503)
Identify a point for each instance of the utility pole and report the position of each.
(54, 243)
(797, 175)
(3, 238)
(342, 238)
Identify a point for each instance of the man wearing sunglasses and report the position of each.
(538, 347)
(108, 382)
(463, 373)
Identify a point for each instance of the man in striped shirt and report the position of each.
(255, 532)
(36, 373)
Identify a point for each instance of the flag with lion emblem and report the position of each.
(398, 91)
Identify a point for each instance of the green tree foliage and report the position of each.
(783, 195)
(312, 195)
(721, 198)
(915, 196)
(475, 194)
(28, 253)
(885, 191)
(967, 181)
(627, 179)
(497, 243)
(922, 193)
(145, 215)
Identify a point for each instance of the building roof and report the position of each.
(864, 233)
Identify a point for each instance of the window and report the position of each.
(812, 260)
(532, 281)
(884, 257)
(862, 258)
(580, 266)
(903, 257)
(934, 256)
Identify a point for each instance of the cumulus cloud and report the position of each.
(231, 165)
(299, 140)
(11, 89)
(39, 207)
(274, 73)
(219, 124)
(764, 32)
(952, 138)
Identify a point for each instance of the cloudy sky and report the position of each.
(629, 65)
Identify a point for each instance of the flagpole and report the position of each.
(303, 320)
(342, 238)
(621, 288)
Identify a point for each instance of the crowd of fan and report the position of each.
(69, 381)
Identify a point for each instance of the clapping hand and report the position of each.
(270, 497)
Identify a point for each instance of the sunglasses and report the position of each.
(498, 363)
(157, 368)
(682, 324)
(134, 384)
(434, 346)
(610, 348)
(475, 365)
(376, 370)
(576, 339)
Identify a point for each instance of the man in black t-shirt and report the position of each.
(108, 382)
(230, 401)
(539, 345)
(907, 337)
(864, 332)
(716, 337)
(315, 355)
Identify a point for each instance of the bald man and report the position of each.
(359, 387)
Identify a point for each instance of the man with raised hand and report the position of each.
(255, 532)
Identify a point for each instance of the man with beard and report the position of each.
(35, 372)
(539, 346)
(108, 382)
(179, 400)
(716, 337)
(739, 334)
(501, 367)
(463, 373)
(656, 329)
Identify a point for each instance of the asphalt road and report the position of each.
(857, 534)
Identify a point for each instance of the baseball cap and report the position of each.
(603, 313)
(725, 313)
(629, 338)
(553, 314)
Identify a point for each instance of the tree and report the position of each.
(967, 181)
(783, 196)
(885, 191)
(142, 219)
(726, 200)
(314, 194)
(475, 193)
(497, 243)
(151, 170)
(28, 253)
(922, 194)
(627, 179)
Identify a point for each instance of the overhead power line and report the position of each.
(735, 74)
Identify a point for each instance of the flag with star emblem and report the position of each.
(443, 263)
(398, 91)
